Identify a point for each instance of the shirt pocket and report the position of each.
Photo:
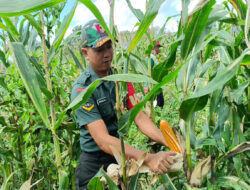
(105, 109)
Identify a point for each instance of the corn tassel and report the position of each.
(170, 137)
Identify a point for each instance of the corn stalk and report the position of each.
(51, 102)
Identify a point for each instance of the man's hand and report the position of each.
(160, 162)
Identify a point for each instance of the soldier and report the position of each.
(97, 118)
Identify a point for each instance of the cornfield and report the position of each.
(203, 72)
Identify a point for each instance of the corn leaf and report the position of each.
(34, 23)
(222, 78)
(29, 79)
(63, 27)
(137, 12)
(11, 27)
(240, 7)
(151, 12)
(91, 6)
(3, 59)
(189, 106)
(195, 28)
(17, 7)
(76, 60)
(132, 114)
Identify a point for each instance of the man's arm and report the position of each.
(159, 162)
(148, 128)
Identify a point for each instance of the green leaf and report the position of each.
(160, 70)
(3, 59)
(167, 183)
(34, 23)
(151, 12)
(134, 181)
(17, 7)
(129, 78)
(11, 26)
(221, 78)
(2, 83)
(240, 7)
(111, 184)
(95, 184)
(123, 129)
(64, 182)
(91, 6)
(63, 27)
(29, 79)
(217, 13)
(206, 141)
(137, 12)
(76, 60)
(195, 28)
(191, 105)
(232, 182)
(184, 13)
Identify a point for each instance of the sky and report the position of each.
(123, 17)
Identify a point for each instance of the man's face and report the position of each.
(100, 58)
(157, 50)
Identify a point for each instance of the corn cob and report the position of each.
(170, 137)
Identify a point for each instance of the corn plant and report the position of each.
(206, 60)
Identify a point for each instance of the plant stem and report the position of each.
(189, 161)
(121, 138)
(51, 102)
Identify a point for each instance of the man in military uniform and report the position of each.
(97, 117)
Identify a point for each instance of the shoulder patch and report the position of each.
(79, 89)
(88, 106)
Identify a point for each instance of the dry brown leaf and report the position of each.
(181, 140)
(238, 149)
(133, 165)
(116, 154)
(26, 185)
(178, 163)
(200, 171)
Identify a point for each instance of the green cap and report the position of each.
(93, 35)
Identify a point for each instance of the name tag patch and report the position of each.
(101, 100)
(88, 106)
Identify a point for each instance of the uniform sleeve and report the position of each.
(88, 112)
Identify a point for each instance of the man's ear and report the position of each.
(85, 52)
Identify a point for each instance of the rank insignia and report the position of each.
(88, 106)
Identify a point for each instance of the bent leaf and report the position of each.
(29, 79)
(17, 7)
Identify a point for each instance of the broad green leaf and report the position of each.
(64, 182)
(137, 12)
(232, 182)
(129, 78)
(167, 183)
(134, 181)
(240, 7)
(221, 78)
(151, 12)
(247, 25)
(160, 70)
(111, 184)
(206, 141)
(29, 79)
(195, 28)
(191, 105)
(240, 90)
(76, 60)
(218, 13)
(123, 129)
(2, 83)
(3, 59)
(11, 26)
(34, 23)
(184, 12)
(224, 55)
(91, 6)
(95, 184)
(63, 27)
(17, 7)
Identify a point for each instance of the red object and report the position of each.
(132, 98)
(157, 43)
(79, 89)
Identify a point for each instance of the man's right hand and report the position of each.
(160, 162)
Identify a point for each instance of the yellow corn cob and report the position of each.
(170, 137)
